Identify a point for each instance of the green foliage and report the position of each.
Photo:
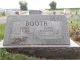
(23, 5)
(2, 28)
(52, 5)
(4, 55)
(74, 23)
(74, 28)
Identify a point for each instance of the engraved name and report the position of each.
(36, 23)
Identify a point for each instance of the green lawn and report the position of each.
(2, 29)
(74, 27)
(4, 55)
(74, 23)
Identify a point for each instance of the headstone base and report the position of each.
(49, 52)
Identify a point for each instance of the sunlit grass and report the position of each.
(73, 23)
(4, 55)
(2, 29)
(74, 28)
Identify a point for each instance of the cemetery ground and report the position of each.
(4, 55)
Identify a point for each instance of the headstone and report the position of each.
(36, 31)
(35, 12)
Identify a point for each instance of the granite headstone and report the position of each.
(36, 31)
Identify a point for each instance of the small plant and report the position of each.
(74, 28)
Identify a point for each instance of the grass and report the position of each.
(73, 23)
(4, 55)
(74, 28)
(2, 29)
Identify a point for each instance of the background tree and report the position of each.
(23, 5)
(52, 5)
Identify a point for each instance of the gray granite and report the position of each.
(36, 30)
